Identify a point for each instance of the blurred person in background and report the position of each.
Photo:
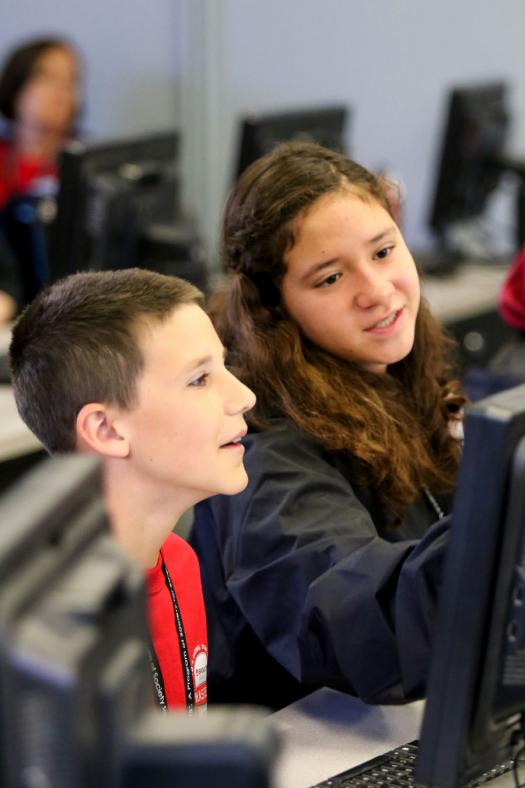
(39, 103)
(509, 361)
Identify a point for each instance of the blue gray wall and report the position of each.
(201, 64)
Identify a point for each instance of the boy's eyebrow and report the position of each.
(196, 362)
(202, 361)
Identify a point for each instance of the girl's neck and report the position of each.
(34, 143)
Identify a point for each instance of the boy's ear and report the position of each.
(97, 431)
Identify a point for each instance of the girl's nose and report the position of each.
(374, 288)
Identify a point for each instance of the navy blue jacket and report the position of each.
(307, 582)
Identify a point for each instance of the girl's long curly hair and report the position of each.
(394, 429)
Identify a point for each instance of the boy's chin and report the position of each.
(236, 484)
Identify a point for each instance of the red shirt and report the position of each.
(20, 174)
(512, 295)
(183, 568)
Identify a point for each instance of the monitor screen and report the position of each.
(259, 134)
(475, 133)
(50, 517)
(476, 689)
(108, 193)
(119, 206)
(76, 699)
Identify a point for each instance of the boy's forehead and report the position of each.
(152, 330)
(186, 333)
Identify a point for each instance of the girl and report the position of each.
(325, 570)
(39, 99)
(39, 102)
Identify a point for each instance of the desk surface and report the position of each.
(472, 289)
(15, 438)
(328, 732)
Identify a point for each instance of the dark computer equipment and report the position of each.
(474, 724)
(76, 707)
(114, 199)
(476, 689)
(475, 135)
(259, 134)
(48, 520)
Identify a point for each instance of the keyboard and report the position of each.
(396, 769)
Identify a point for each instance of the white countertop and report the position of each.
(328, 732)
(15, 438)
(470, 290)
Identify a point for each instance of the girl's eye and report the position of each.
(200, 381)
(330, 280)
(384, 252)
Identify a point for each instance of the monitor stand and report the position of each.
(438, 262)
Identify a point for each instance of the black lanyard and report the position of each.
(433, 503)
(158, 682)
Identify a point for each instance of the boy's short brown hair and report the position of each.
(78, 342)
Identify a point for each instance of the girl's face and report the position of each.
(350, 283)
(49, 99)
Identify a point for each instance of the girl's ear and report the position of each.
(97, 431)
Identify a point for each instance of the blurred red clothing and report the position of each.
(512, 298)
(20, 174)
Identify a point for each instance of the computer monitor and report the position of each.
(469, 166)
(108, 192)
(259, 134)
(49, 519)
(476, 690)
(76, 701)
(119, 206)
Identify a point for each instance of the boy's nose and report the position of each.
(242, 398)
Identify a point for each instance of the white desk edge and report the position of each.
(327, 732)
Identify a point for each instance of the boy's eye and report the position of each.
(384, 252)
(330, 280)
(200, 380)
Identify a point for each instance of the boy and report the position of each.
(127, 364)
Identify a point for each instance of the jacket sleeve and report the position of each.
(330, 600)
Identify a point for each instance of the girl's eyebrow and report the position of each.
(315, 268)
(380, 236)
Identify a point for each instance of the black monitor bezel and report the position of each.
(76, 702)
(80, 160)
(49, 518)
(453, 164)
(463, 734)
(287, 125)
